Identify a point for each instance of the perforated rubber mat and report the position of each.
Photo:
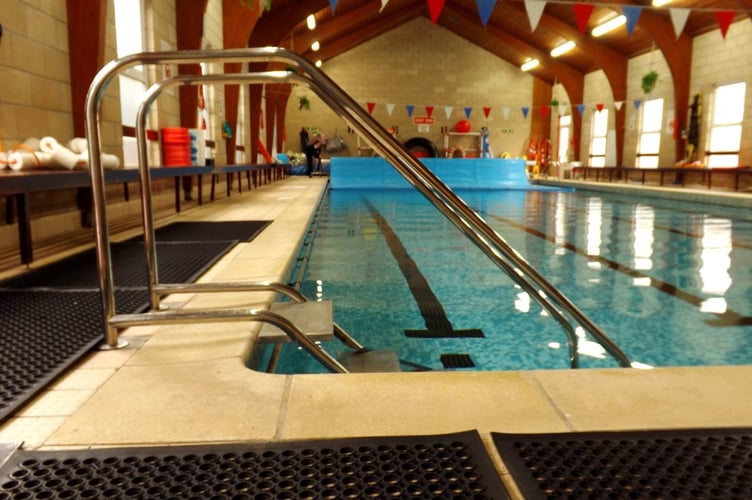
(244, 230)
(452, 466)
(178, 262)
(697, 463)
(43, 332)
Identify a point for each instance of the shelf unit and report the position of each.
(477, 145)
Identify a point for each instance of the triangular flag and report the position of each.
(581, 109)
(599, 107)
(618, 105)
(534, 10)
(562, 109)
(632, 13)
(370, 105)
(636, 103)
(485, 7)
(505, 111)
(724, 20)
(448, 111)
(468, 110)
(486, 112)
(525, 111)
(429, 111)
(679, 18)
(583, 11)
(544, 111)
(435, 7)
(333, 4)
(383, 4)
(389, 109)
(410, 108)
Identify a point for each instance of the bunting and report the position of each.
(534, 10)
(448, 111)
(505, 112)
(435, 7)
(389, 109)
(525, 111)
(370, 105)
(410, 108)
(724, 20)
(581, 109)
(636, 103)
(582, 12)
(468, 110)
(429, 111)
(383, 4)
(485, 7)
(333, 5)
(618, 105)
(679, 20)
(599, 106)
(632, 13)
(486, 112)
(544, 111)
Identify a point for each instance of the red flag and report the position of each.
(599, 106)
(724, 20)
(544, 111)
(583, 11)
(435, 7)
(429, 110)
(486, 111)
(370, 107)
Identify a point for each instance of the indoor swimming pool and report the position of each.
(669, 282)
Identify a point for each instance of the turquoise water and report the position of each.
(669, 283)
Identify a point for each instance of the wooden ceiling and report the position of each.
(508, 34)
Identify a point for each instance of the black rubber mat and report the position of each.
(697, 463)
(44, 332)
(244, 231)
(445, 334)
(179, 262)
(454, 466)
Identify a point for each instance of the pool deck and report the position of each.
(186, 384)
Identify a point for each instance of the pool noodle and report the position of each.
(24, 160)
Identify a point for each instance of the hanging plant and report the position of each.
(251, 4)
(649, 80)
(304, 103)
(554, 102)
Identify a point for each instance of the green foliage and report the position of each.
(649, 80)
(251, 4)
(304, 103)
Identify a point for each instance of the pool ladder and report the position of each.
(307, 75)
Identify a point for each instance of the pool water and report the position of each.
(670, 283)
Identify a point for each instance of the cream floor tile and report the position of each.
(187, 403)
(56, 403)
(416, 403)
(83, 379)
(32, 431)
(660, 398)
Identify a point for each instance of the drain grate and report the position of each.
(711, 463)
(457, 361)
(445, 334)
(449, 466)
(245, 230)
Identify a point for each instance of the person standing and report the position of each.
(312, 151)
(303, 138)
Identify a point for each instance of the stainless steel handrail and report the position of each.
(453, 207)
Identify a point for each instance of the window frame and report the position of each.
(716, 124)
(597, 159)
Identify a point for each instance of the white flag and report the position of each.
(505, 112)
(534, 10)
(383, 4)
(679, 18)
(618, 105)
(448, 111)
(389, 109)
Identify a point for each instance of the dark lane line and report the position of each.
(727, 318)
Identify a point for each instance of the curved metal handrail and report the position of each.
(440, 195)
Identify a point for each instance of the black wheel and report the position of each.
(418, 145)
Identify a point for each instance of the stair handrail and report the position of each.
(440, 195)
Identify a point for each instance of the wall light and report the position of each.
(563, 48)
(311, 22)
(609, 25)
(530, 64)
(315, 46)
(318, 63)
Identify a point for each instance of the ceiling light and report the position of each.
(660, 3)
(318, 63)
(563, 48)
(315, 46)
(311, 21)
(609, 25)
(529, 64)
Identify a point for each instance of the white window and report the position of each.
(565, 127)
(130, 40)
(599, 139)
(726, 125)
(649, 144)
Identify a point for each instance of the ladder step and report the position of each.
(370, 361)
(315, 319)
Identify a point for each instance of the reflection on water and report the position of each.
(669, 283)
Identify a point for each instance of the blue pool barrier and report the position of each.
(457, 173)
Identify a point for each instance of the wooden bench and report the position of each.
(680, 175)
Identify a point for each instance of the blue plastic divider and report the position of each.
(457, 173)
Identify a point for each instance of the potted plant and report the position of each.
(649, 80)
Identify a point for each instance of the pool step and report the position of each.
(370, 361)
(315, 319)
